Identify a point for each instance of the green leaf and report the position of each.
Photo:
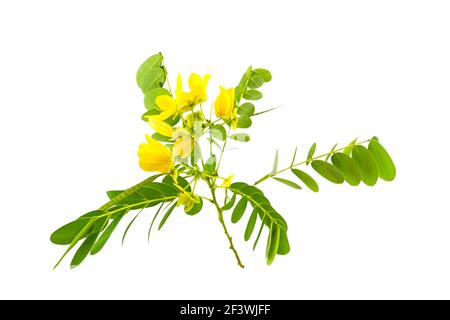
(293, 157)
(149, 99)
(348, 167)
(173, 120)
(160, 137)
(258, 200)
(131, 199)
(259, 233)
(210, 165)
(151, 112)
(331, 152)
(253, 95)
(348, 149)
(244, 122)
(153, 221)
(311, 153)
(239, 210)
(263, 73)
(152, 62)
(152, 193)
(196, 208)
(242, 137)
(275, 163)
(367, 164)
(82, 234)
(306, 179)
(83, 250)
(255, 82)
(283, 246)
(154, 78)
(328, 171)
(68, 232)
(386, 167)
(166, 216)
(251, 225)
(129, 226)
(230, 203)
(104, 237)
(247, 109)
(219, 132)
(182, 182)
(242, 87)
(273, 242)
(156, 190)
(288, 183)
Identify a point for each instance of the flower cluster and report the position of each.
(155, 156)
(182, 139)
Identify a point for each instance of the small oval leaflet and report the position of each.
(196, 208)
(166, 216)
(255, 82)
(68, 232)
(367, 165)
(253, 95)
(149, 99)
(154, 78)
(273, 242)
(219, 132)
(263, 73)
(83, 250)
(283, 246)
(306, 179)
(247, 109)
(328, 171)
(311, 152)
(287, 182)
(244, 122)
(251, 225)
(104, 237)
(230, 203)
(154, 61)
(386, 167)
(239, 210)
(348, 167)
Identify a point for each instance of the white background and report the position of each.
(70, 126)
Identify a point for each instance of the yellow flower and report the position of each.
(197, 85)
(160, 126)
(183, 147)
(224, 104)
(227, 182)
(154, 156)
(167, 105)
(186, 200)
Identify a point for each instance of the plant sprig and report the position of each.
(174, 150)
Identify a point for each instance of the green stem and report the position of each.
(270, 175)
(222, 222)
(223, 149)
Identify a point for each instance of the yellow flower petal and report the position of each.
(167, 105)
(160, 126)
(224, 104)
(183, 147)
(154, 156)
(227, 181)
(197, 93)
(198, 87)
